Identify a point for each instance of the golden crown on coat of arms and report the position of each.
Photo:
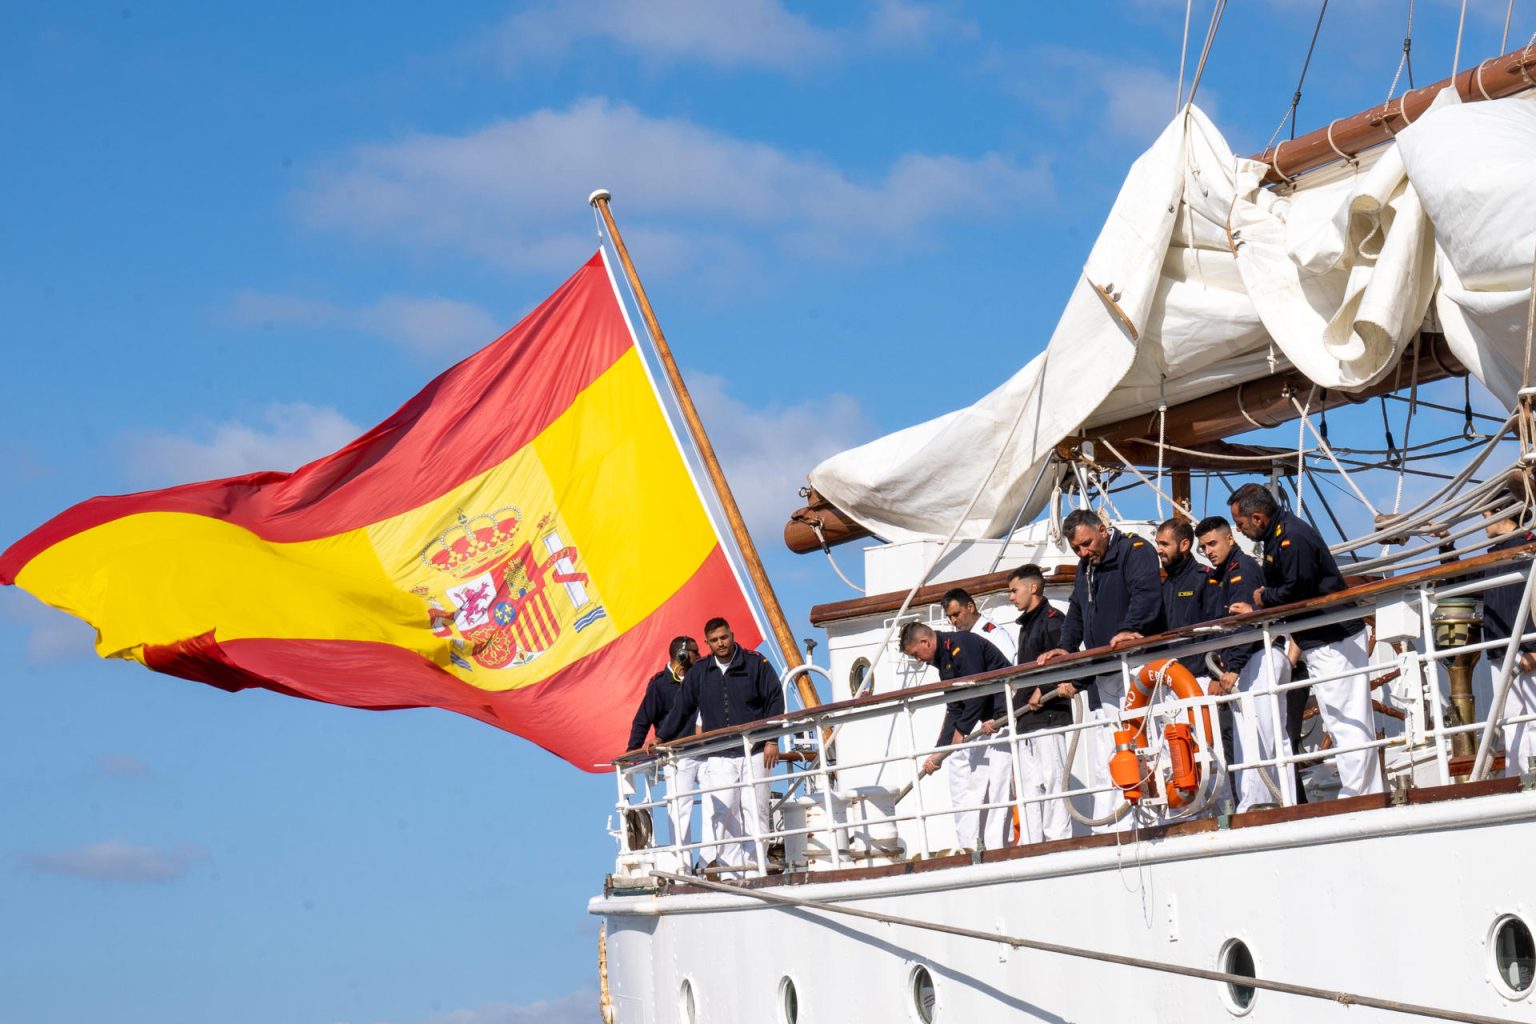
(473, 543)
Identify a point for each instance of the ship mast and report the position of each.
(783, 637)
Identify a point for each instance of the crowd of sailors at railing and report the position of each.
(1007, 750)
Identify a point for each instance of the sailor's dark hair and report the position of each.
(1210, 523)
(678, 645)
(1028, 572)
(1251, 498)
(1079, 518)
(912, 632)
(715, 623)
(1506, 497)
(1180, 529)
(959, 595)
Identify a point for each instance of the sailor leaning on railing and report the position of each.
(1117, 596)
(978, 775)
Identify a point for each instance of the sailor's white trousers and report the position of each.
(1520, 738)
(980, 775)
(1253, 733)
(1346, 707)
(1040, 761)
(747, 780)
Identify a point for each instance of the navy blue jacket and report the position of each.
(1298, 567)
(957, 655)
(1187, 602)
(1123, 592)
(660, 694)
(1235, 579)
(748, 691)
(1040, 631)
(1502, 604)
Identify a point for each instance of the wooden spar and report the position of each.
(780, 626)
(1493, 79)
(1198, 423)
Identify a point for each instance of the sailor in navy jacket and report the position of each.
(661, 692)
(1500, 608)
(732, 686)
(1042, 754)
(1186, 599)
(747, 691)
(1297, 567)
(1117, 595)
(977, 775)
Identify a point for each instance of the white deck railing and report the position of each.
(811, 787)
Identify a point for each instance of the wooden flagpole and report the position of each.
(780, 626)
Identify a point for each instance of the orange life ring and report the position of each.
(1125, 766)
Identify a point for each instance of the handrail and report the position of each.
(1424, 736)
(1191, 640)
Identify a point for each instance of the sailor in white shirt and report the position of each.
(961, 611)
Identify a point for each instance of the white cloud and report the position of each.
(744, 33)
(751, 34)
(116, 861)
(122, 766)
(1133, 103)
(53, 636)
(509, 192)
(766, 452)
(430, 325)
(576, 1008)
(288, 435)
(904, 23)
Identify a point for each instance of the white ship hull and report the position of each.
(1395, 902)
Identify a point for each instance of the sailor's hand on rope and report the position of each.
(932, 764)
(1125, 636)
(1226, 684)
(1034, 700)
(989, 727)
(1066, 691)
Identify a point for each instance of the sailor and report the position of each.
(732, 686)
(961, 611)
(681, 774)
(1116, 597)
(1500, 607)
(956, 655)
(1297, 567)
(1041, 758)
(1245, 666)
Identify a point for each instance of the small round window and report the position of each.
(789, 1001)
(1514, 955)
(924, 998)
(856, 676)
(685, 1005)
(1237, 959)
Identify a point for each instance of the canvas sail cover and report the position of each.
(1202, 278)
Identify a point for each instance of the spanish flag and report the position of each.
(518, 543)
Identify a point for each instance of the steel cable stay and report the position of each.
(1019, 942)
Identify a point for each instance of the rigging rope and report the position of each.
(1290, 113)
(1205, 51)
(1460, 24)
(1017, 942)
(1406, 60)
(1509, 12)
(1178, 96)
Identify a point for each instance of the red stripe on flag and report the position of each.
(482, 410)
(581, 713)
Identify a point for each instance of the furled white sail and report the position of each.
(1202, 278)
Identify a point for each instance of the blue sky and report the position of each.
(237, 235)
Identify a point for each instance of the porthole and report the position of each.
(1514, 955)
(1237, 959)
(856, 676)
(686, 1011)
(924, 997)
(789, 1001)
